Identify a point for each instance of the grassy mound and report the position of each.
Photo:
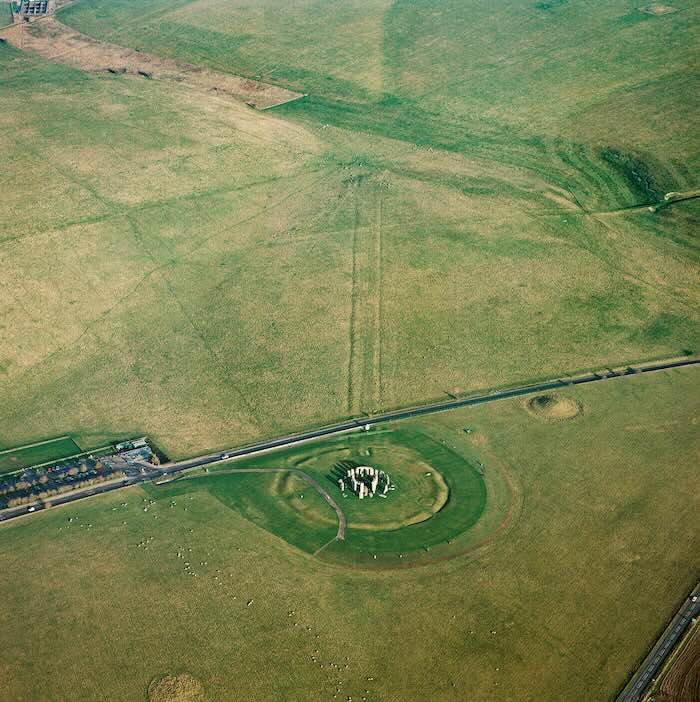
(176, 688)
(555, 407)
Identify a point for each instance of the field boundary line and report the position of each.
(283, 102)
(223, 367)
(36, 443)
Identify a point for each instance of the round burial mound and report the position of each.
(176, 688)
(554, 408)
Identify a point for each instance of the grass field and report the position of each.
(207, 275)
(25, 456)
(460, 202)
(605, 497)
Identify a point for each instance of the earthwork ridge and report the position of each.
(55, 41)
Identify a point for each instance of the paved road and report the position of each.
(606, 374)
(342, 521)
(653, 663)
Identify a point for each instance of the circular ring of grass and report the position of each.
(421, 490)
(468, 507)
(472, 508)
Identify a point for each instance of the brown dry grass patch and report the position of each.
(176, 688)
(658, 9)
(57, 42)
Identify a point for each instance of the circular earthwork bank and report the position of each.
(554, 408)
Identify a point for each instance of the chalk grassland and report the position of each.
(234, 243)
(178, 265)
(457, 74)
(22, 457)
(606, 497)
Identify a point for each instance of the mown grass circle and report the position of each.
(444, 505)
(420, 489)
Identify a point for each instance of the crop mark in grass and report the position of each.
(613, 262)
(377, 360)
(256, 415)
(86, 330)
(117, 212)
(263, 210)
(365, 353)
(353, 316)
(69, 175)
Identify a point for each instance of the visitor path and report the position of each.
(342, 521)
(166, 469)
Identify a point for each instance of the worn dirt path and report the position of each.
(342, 521)
(55, 41)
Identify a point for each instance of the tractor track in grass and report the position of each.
(365, 322)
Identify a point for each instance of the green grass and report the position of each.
(252, 496)
(433, 218)
(381, 532)
(5, 13)
(209, 275)
(23, 457)
(567, 587)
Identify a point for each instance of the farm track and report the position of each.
(354, 331)
(364, 367)
(682, 197)
(377, 349)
